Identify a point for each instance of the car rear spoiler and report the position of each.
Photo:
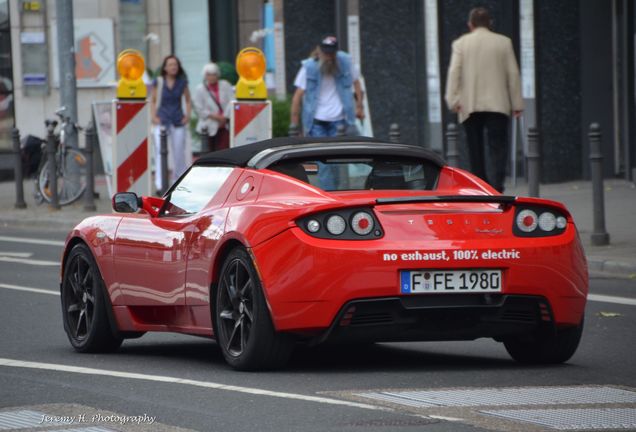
(497, 199)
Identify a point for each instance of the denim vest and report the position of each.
(344, 87)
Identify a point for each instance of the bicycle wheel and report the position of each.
(71, 177)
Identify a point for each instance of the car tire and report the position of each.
(85, 306)
(243, 325)
(557, 346)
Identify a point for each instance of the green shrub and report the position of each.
(280, 116)
(228, 72)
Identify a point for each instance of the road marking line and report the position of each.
(611, 299)
(450, 419)
(29, 289)
(168, 379)
(31, 241)
(30, 261)
(17, 254)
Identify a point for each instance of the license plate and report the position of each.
(450, 281)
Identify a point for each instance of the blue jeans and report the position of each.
(328, 175)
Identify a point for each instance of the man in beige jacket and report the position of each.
(484, 89)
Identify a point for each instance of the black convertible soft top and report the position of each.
(264, 153)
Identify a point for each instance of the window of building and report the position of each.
(191, 34)
(133, 25)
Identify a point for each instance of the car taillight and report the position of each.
(342, 224)
(547, 221)
(336, 225)
(313, 226)
(527, 221)
(561, 222)
(538, 222)
(362, 223)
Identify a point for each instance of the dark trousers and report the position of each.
(221, 140)
(496, 148)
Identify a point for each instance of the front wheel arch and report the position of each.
(69, 247)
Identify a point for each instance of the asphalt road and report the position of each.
(183, 382)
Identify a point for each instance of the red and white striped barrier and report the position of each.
(131, 147)
(251, 121)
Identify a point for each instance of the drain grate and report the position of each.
(508, 396)
(21, 419)
(574, 418)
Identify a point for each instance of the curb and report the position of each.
(611, 267)
(44, 223)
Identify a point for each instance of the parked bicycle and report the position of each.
(71, 166)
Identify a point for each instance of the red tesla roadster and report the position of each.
(301, 240)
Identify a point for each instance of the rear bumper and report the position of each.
(444, 317)
(308, 281)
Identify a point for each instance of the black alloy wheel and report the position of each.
(236, 304)
(244, 328)
(84, 308)
(80, 299)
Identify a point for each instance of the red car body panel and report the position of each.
(158, 271)
(320, 277)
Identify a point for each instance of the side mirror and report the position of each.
(126, 202)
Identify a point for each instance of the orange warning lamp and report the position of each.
(250, 66)
(131, 67)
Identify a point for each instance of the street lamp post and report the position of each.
(66, 57)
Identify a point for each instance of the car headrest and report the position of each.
(291, 169)
(386, 176)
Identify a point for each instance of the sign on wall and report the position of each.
(94, 53)
(103, 117)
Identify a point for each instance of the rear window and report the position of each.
(381, 173)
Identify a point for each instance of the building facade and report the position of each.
(102, 29)
(195, 30)
(576, 58)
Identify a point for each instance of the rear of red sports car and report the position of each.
(298, 240)
(447, 260)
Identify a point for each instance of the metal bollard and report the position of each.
(163, 134)
(534, 162)
(341, 130)
(89, 192)
(599, 236)
(394, 133)
(452, 154)
(19, 184)
(293, 131)
(50, 154)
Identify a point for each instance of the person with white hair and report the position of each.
(211, 102)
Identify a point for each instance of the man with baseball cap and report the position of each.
(325, 86)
